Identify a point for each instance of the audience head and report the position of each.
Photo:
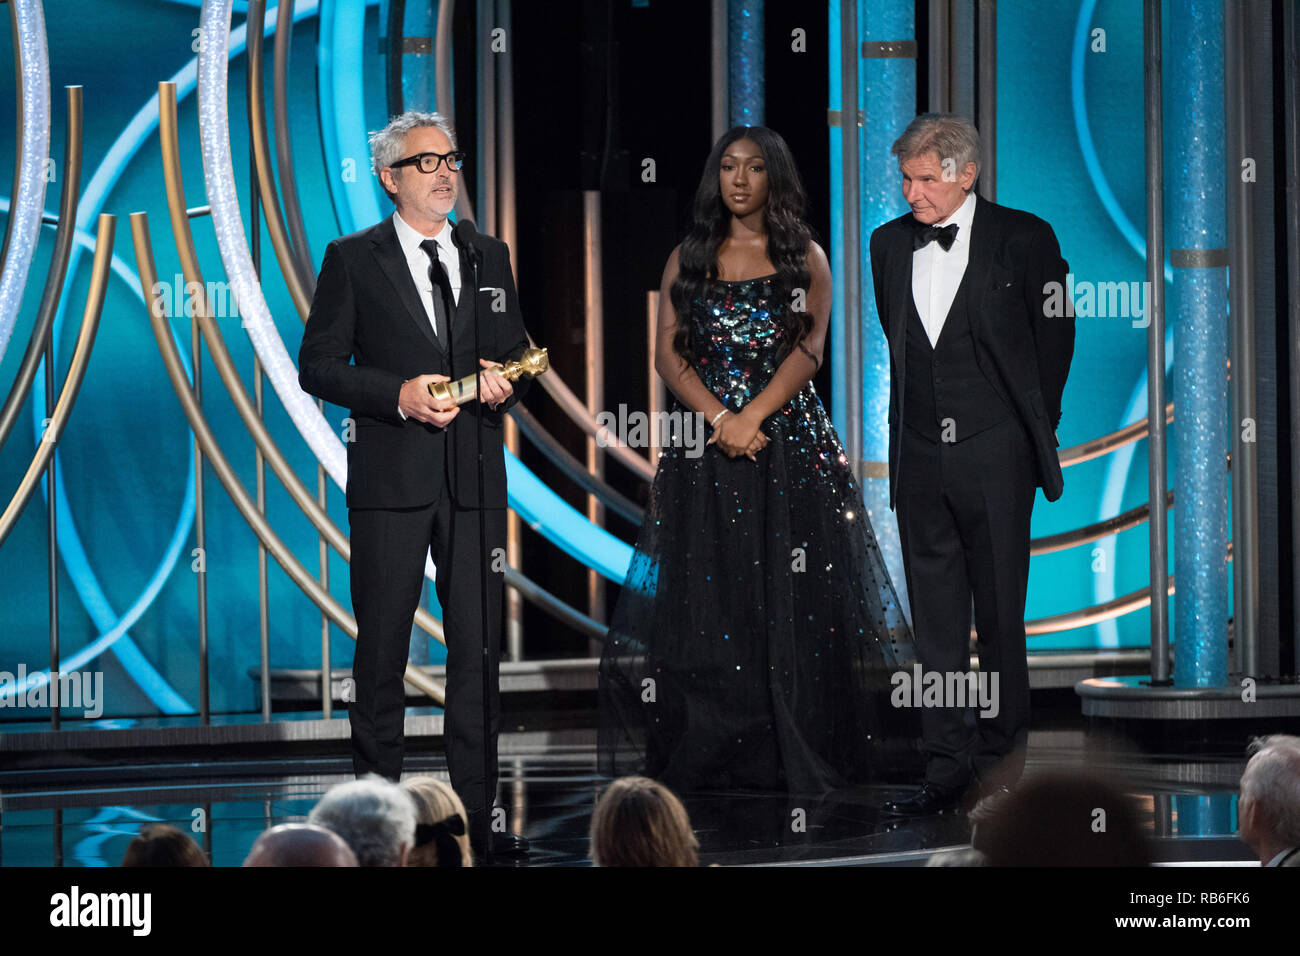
(441, 824)
(1064, 819)
(300, 844)
(963, 856)
(640, 822)
(374, 817)
(159, 844)
(1268, 807)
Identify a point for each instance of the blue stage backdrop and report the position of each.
(1069, 149)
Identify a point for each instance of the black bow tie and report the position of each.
(924, 235)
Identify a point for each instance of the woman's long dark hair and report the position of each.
(787, 236)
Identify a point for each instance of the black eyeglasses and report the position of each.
(429, 162)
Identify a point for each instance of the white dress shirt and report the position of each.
(417, 260)
(937, 273)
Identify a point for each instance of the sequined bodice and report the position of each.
(736, 335)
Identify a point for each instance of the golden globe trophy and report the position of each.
(532, 363)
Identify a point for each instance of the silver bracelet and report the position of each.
(717, 416)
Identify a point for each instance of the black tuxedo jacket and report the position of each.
(366, 309)
(1026, 354)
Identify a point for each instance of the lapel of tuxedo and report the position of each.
(979, 264)
(388, 253)
(900, 294)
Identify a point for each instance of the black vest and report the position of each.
(944, 385)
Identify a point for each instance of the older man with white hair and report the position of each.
(979, 358)
(1268, 807)
(375, 818)
(397, 308)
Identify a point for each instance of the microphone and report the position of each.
(466, 233)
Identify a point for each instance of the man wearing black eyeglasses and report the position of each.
(394, 311)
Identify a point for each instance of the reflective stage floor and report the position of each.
(85, 817)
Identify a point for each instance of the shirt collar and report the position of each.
(410, 239)
(1281, 856)
(963, 216)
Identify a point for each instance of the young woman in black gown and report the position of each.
(754, 638)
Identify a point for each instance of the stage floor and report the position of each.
(549, 784)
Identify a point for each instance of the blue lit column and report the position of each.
(1197, 237)
(887, 91)
(745, 74)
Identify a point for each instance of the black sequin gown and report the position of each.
(754, 637)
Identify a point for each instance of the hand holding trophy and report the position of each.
(532, 363)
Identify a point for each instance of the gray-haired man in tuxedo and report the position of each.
(978, 362)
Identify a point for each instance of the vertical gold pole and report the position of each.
(595, 364)
(657, 394)
(200, 530)
(504, 228)
(326, 685)
(263, 589)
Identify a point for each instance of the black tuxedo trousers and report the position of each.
(963, 524)
(388, 550)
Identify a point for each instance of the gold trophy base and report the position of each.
(531, 364)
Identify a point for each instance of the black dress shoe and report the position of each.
(509, 844)
(486, 843)
(931, 798)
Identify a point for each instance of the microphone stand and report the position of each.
(472, 254)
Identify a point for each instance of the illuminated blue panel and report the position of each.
(342, 113)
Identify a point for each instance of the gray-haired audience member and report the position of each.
(1268, 807)
(373, 816)
(300, 844)
(962, 856)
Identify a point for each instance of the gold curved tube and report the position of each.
(1096, 447)
(576, 409)
(262, 161)
(76, 373)
(221, 466)
(53, 294)
(184, 238)
(284, 147)
(1094, 532)
(1075, 454)
(1116, 607)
